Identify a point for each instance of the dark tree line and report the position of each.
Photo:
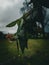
(2, 36)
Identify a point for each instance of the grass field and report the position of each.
(36, 54)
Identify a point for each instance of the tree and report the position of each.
(25, 7)
(2, 36)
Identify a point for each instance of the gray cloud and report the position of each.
(11, 30)
(10, 13)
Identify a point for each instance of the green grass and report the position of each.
(35, 47)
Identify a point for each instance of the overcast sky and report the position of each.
(10, 11)
(11, 30)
